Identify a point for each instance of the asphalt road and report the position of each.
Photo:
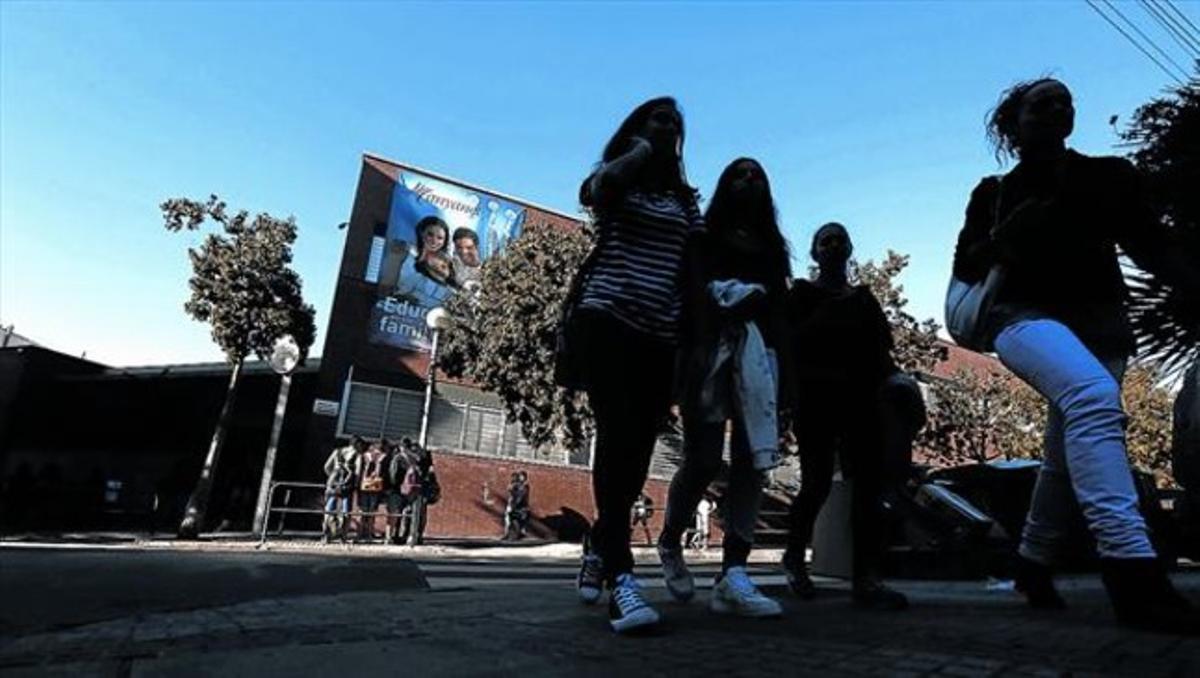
(57, 587)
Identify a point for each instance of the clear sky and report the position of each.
(866, 113)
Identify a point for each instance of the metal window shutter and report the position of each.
(445, 424)
(404, 415)
(491, 426)
(365, 409)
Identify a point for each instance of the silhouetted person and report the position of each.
(1053, 225)
(372, 481)
(843, 355)
(340, 470)
(629, 314)
(516, 510)
(643, 511)
(737, 326)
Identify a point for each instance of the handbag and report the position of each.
(968, 304)
(569, 352)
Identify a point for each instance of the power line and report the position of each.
(1133, 42)
(1180, 36)
(1183, 71)
(1178, 12)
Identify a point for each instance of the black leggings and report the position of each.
(629, 390)
(860, 429)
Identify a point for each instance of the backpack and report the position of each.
(411, 485)
(372, 480)
(341, 481)
(397, 468)
(431, 488)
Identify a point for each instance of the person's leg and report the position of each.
(863, 462)
(742, 504)
(702, 446)
(629, 393)
(1053, 498)
(734, 592)
(327, 521)
(702, 443)
(1051, 509)
(1050, 358)
(817, 443)
(863, 458)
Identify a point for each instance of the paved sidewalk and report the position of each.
(957, 629)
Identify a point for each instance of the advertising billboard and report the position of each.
(438, 235)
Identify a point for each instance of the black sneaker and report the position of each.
(627, 609)
(1037, 583)
(873, 594)
(800, 584)
(590, 582)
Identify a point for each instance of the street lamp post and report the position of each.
(436, 320)
(284, 358)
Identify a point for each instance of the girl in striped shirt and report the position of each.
(630, 312)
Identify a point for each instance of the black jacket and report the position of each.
(1067, 268)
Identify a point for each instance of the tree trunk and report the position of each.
(197, 506)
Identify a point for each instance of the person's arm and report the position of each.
(614, 178)
(884, 344)
(976, 252)
(1145, 238)
(777, 301)
(331, 462)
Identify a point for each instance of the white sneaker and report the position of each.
(736, 594)
(627, 609)
(675, 574)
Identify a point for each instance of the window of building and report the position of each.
(376, 411)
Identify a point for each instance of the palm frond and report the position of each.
(1166, 324)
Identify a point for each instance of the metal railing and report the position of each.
(414, 512)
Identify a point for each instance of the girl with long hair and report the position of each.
(629, 316)
(735, 346)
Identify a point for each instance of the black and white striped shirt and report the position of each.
(638, 263)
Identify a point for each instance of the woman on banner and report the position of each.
(628, 315)
(433, 243)
(736, 344)
(1053, 224)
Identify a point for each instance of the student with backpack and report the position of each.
(398, 465)
(372, 470)
(339, 486)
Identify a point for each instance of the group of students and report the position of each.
(369, 474)
(699, 309)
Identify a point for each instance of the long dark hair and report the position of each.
(633, 124)
(1002, 125)
(723, 212)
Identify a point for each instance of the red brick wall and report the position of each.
(560, 498)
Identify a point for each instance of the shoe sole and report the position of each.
(680, 595)
(638, 619)
(719, 606)
(589, 596)
(801, 593)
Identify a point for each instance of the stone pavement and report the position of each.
(953, 628)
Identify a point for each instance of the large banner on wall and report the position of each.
(438, 235)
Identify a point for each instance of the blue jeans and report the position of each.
(336, 504)
(1084, 457)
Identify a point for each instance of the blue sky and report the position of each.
(865, 113)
